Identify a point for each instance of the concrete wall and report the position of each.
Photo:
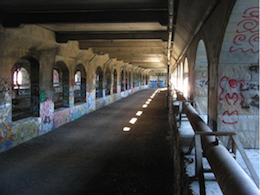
(38, 46)
(231, 37)
(238, 80)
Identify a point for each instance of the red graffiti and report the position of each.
(247, 37)
(232, 95)
(233, 83)
(229, 114)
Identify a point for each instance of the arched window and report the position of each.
(122, 81)
(115, 82)
(25, 88)
(108, 82)
(99, 83)
(60, 85)
(80, 84)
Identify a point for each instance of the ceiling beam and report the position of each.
(14, 19)
(63, 37)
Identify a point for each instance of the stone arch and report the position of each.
(201, 77)
(25, 92)
(186, 79)
(238, 74)
(108, 81)
(114, 81)
(122, 79)
(60, 85)
(80, 85)
(99, 82)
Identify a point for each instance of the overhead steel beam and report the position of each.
(14, 19)
(63, 37)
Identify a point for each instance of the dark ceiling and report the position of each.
(135, 31)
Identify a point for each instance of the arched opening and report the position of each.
(108, 82)
(99, 83)
(115, 82)
(80, 78)
(186, 86)
(122, 80)
(60, 85)
(201, 78)
(25, 88)
(126, 80)
(130, 80)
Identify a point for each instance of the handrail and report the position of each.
(231, 177)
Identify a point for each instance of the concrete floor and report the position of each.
(92, 155)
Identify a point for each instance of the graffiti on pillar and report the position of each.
(6, 137)
(5, 99)
(91, 101)
(247, 32)
(231, 93)
(47, 110)
(35, 100)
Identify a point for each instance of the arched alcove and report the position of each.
(80, 78)
(25, 88)
(122, 80)
(201, 78)
(186, 86)
(115, 82)
(99, 82)
(108, 82)
(60, 85)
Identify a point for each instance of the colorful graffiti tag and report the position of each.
(26, 131)
(47, 110)
(62, 117)
(91, 101)
(231, 93)
(247, 33)
(6, 137)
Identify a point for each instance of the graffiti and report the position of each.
(247, 38)
(47, 110)
(42, 96)
(251, 86)
(231, 93)
(26, 131)
(255, 101)
(62, 117)
(91, 101)
(35, 101)
(78, 111)
(5, 100)
(254, 68)
(232, 84)
(6, 137)
(230, 114)
(4, 84)
(5, 116)
(202, 83)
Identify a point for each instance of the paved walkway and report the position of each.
(92, 155)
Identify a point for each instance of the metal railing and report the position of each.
(231, 177)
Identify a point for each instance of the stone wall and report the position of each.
(38, 46)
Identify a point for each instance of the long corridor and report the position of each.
(93, 155)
